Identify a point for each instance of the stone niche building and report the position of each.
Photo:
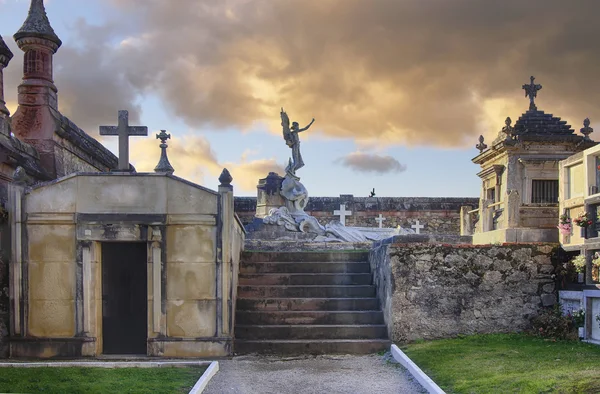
(579, 193)
(520, 178)
(96, 258)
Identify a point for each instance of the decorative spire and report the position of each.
(5, 53)
(5, 56)
(481, 146)
(531, 92)
(226, 178)
(508, 130)
(37, 25)
(586, 130)
(163, 164)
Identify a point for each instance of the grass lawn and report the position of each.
(99, 380)
(508, 363)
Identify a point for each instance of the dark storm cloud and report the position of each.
(369, 162)
(411, 72)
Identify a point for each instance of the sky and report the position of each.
(400, 89)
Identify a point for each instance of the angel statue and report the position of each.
(290, 134)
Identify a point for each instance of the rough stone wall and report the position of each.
(438, 215)
(439, 290)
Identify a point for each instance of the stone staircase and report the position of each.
(308, 303)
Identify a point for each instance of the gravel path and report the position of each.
(370, 374)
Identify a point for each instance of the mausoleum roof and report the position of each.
(536, 122)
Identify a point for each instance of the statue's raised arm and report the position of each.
(307, 127)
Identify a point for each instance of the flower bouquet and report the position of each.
(583, 220)
(564, 224)
(578, 318)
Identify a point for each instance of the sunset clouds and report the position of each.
(386, 72)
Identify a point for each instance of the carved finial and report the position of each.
(508, 129)
(481, 146)
(163, 163)
(225, 178)
(586, 130)
(37, 25)
(531, 92)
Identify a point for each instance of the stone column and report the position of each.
(466, 224)
(224, 269)
(268, 196)
(513, 207)
(486, 215)
(15, 200)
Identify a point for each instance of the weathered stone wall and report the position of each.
(441, 290)
(4, 296)
(438, 215)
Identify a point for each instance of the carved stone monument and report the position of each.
(291, 215)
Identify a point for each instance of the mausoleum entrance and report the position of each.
(124, 298)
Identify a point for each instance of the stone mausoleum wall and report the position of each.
(437, 215)
(432, 291)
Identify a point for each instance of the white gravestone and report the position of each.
(380, 220)
(417, 227)
(342, 213)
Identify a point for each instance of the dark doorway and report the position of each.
(124, 298)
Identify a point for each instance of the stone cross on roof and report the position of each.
(531, 92)
(123, 130)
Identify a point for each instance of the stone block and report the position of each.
(191, 319)
(191, 281)
(549, 287)
(183, 198)
(122, 193)
(548, 299)
(51, 281)
(56, 198)
(191, 244)
(54, 318)
(51, 242)
(546, 269)
(185, 349)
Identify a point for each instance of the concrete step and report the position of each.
(311, 346)
(308, 317)
(304, 279)
(305, 267)
(307, 304)
(311, 331)
(299, 257)
(360, 291)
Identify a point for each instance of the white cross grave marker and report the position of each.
(342, 213)
(417, 226)
(380, 219)
(123, 130)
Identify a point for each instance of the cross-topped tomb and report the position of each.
(123, 130)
